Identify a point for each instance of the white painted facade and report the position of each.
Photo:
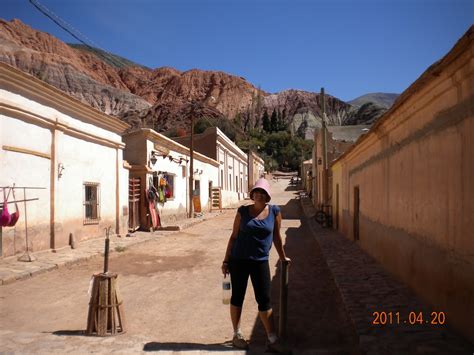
(233, 163)
(256, 168)
(51, 140)
(142, 144)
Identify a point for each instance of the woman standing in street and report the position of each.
(255, 228)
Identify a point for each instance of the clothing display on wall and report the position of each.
(152, 196)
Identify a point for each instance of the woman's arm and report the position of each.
(277, 241)
(230, 243)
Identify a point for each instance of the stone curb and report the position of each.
(12, 270)
(365, 287)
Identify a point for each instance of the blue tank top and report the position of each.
(255, 236)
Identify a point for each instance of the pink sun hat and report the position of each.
(263, 184)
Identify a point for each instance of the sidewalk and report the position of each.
(12, 270)
(366, 287)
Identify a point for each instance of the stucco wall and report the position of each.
(415, 174)
(136, 149)
(256, 169)
(42, 130)
(26, 170)
(230, 198)
(204, 143)
(140, 145)
(83, 162)
(214, 144)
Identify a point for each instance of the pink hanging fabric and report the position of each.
(15, 215)
(5, 217)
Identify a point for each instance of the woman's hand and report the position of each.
(225, 268)
(286, 260)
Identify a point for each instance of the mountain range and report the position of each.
(165, 98)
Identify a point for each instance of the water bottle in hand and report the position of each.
(226, 290)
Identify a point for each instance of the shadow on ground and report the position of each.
(69, 332)
(156, 346)
(317, 319)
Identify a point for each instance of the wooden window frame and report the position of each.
(91, 219)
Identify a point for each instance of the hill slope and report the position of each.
(163, 98)
(381, 99)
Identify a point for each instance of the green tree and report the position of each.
(202, 124)
(266, 122)
(282, 126)
(238, 120)
(301, 132)
(274, 122)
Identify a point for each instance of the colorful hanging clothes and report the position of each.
(161, 195)
(162, 181)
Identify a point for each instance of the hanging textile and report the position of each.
(15, 215)
(5, 217)
(152, 196)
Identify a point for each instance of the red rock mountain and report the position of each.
(78, 73)
(162, 98)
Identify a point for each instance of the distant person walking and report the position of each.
(255, 228)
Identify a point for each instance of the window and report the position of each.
(91, 203)
(237, 183)
(197, 188)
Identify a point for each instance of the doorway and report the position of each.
(134, 188)
(337, 206)
(356, 213)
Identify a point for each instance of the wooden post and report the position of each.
(106, 314)
(283, 300)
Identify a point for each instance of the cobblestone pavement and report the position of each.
(367, 288)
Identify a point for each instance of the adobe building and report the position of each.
(69, 150)
(406, 189)
(339, 139)
(307, 176)
(233, 163)
(158, 161)
(256, 169)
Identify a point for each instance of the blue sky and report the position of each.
(351, 47)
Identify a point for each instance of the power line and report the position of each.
(73, 31)
(94, 48)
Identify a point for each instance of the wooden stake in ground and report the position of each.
(106, 316)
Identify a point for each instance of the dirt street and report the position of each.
(172, 295)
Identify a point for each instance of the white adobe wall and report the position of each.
(76, 144)
(25, 170)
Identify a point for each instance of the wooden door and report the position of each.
(356, 212)
(134, 186)
(337, 207)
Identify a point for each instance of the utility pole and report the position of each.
(191, 164)
(324, 149)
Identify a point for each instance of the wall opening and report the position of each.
(356, 213)
(337, 206)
